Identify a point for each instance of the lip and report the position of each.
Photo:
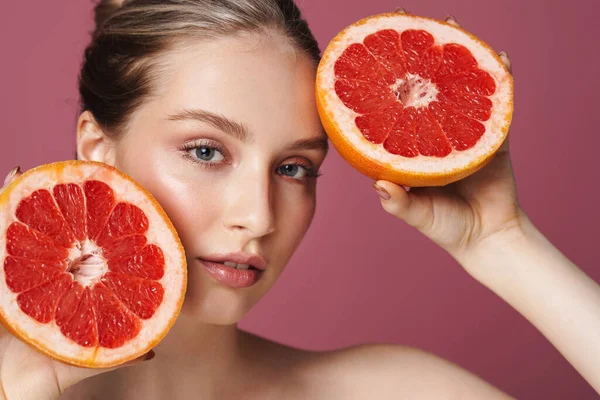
(230, 276)
(253, 260)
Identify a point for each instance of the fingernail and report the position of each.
(150, 355)
(505, 60)
(400, 10)
(11, 175)
(451, 20)
(141, 359)
(407, 188)
(382, 192)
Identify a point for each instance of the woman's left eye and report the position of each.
(206, 154)
(295, 171)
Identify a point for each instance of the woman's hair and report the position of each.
(120, 64)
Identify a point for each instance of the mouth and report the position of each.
(239, 266)
(236, 270)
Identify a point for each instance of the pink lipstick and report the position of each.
(235, 270)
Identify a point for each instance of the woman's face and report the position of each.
(229, 145)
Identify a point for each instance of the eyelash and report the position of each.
(311, 174)
(192, 146)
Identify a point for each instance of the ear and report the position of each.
(92, 143)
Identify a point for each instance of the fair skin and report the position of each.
(250, 201)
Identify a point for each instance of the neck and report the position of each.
(193, 360)
(188, 338)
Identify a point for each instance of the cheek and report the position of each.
(186, 200)
(295, 212)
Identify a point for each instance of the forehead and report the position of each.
(259, 81)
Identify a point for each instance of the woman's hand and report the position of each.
(461, 215)
(26, 373)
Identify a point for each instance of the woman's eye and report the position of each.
(295, 171)
(208, 154)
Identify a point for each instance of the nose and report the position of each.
(249, 207)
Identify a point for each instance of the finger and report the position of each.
(506, 60)
(408, 205)
(12, 175)
(452, 21)
(505, 145)
(71, 375)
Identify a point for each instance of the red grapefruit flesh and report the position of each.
(94, 273)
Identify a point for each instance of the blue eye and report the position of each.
(206, 153)
(295, 171)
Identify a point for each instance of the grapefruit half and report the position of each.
(413, 100)
(93, 273)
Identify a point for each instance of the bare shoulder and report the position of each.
(386, 371)
(379, 372)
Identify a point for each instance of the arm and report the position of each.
(480, 223)
(536, 279)
(504, 251)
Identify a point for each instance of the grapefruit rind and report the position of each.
(372, 159)
(47, 338)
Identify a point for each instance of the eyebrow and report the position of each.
(240, 132)
(226, 125)
(320, 143)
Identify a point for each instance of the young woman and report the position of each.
(210, 105)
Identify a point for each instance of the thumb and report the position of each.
(70, 375)
(414, 208)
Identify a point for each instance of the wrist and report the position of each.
(489, 259)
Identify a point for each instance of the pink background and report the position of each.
(361, 275)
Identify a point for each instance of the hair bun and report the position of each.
(104, 9)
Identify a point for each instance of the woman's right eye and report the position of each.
(206, 154)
